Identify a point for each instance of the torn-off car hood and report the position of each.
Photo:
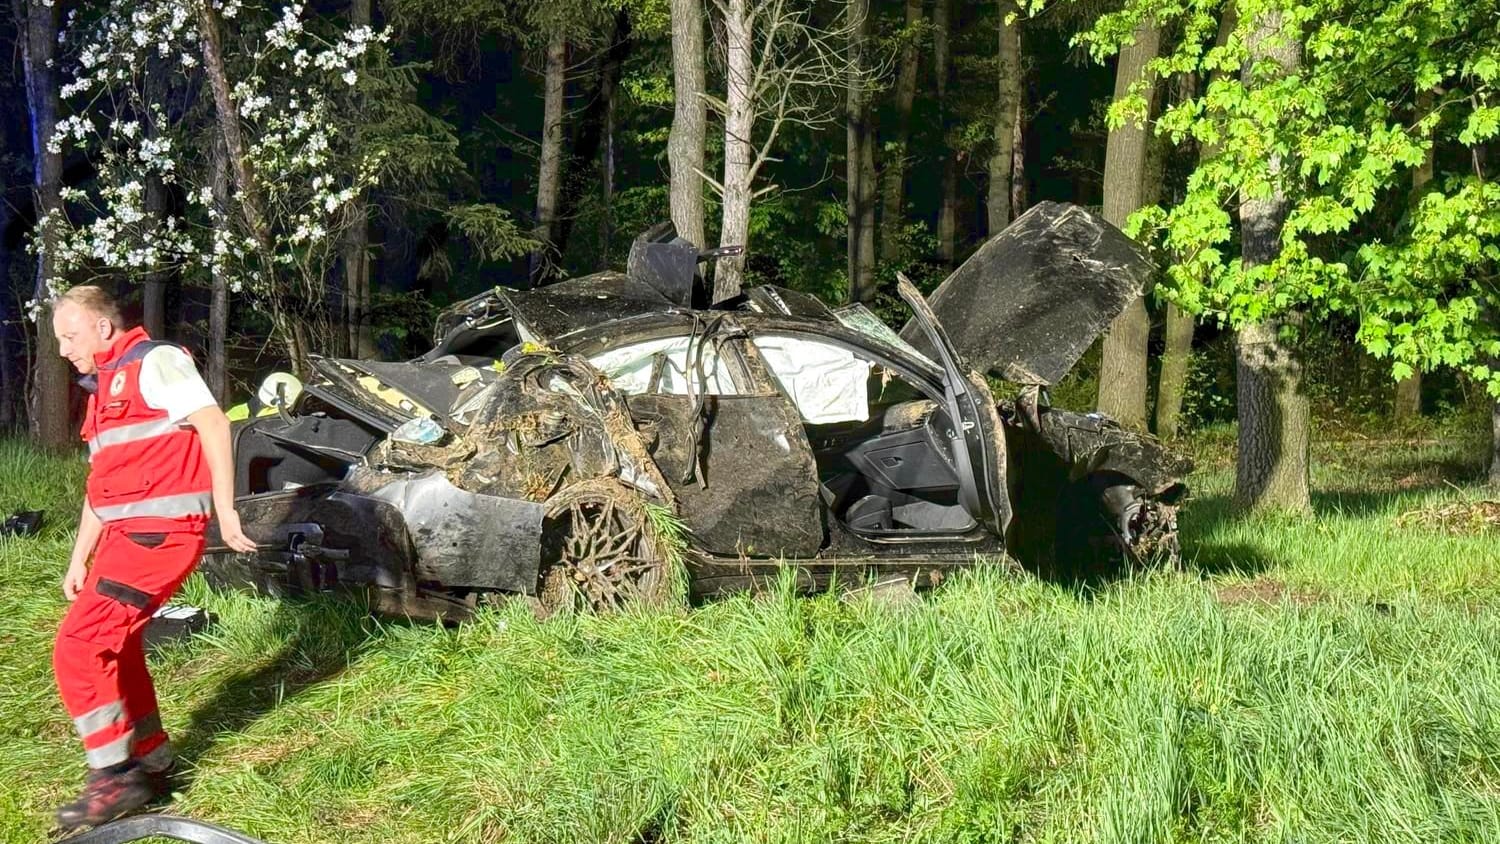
(1032, 300)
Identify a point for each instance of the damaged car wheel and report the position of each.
(1119, 525)
(598, 551)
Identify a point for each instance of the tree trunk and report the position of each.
(947, 234)
(356, 254)
(894, 200)
(11, 385)
(1122, 376)
(154, 291)
(218, 305)
(689, 121)
(291, 329)
(859, 156)
(1172, 382)
(738, 148)
(1174, 372)
(607, 193)
(589, 138)
(1495, 444)
(1177, 355)
(1018, 202)
(357, 337)
(1274, 416)
(549, 175)
(51, 422)
(1408, 403)
(227, 114)
(1007, 106)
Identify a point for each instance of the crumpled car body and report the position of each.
(593, 441)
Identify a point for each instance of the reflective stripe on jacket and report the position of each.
(141, 464)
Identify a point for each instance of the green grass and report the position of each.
(1329, 680)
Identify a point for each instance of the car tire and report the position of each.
(598, 551)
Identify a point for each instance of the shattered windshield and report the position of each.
(857, 317)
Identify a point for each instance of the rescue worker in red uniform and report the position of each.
(160, 465)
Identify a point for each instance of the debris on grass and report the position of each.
(1459, 517)
(1266, 591)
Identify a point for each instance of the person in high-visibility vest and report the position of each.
(160, 466)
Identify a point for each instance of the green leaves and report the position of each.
(1384, 90)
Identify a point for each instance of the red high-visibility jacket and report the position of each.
(143, 467)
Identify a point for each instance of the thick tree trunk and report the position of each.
(1007, 107)
(894, 199)
(947, 228)
(218, 305)
(1274, 414)
(739, 150)
(549, 173)
(51, 423)
(859, 155)
(689, 121)
(1122, 378)
(1408, 402)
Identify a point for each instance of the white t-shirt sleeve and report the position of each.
(170, 382)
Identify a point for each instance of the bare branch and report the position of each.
(712, 182)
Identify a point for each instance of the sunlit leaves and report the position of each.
(1381, 84)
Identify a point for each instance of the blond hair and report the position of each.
(96, 300)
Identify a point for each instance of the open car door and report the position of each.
(976, 441)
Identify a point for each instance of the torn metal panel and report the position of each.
(369, 534)
(1032, 300)
(462, 539)
(666, 263)
(1092, 442)
(758, 494)
(547, 313)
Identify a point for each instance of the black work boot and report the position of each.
(108, 793)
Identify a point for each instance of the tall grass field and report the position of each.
(1334, 679)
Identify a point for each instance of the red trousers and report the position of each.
(98, 657)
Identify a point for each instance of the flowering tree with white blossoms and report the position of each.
(290, 91)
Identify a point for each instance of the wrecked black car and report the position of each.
(587, 442)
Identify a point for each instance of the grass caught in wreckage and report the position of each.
(1329, 680)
